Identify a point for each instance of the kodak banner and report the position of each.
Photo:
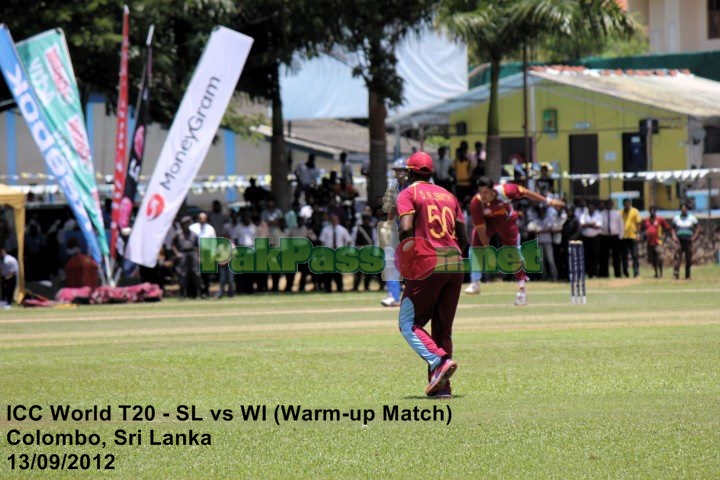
(47, 61)
(188, 141)
(44, 133)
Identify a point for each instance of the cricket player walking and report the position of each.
(430, 217)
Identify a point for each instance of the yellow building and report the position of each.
(589, 122)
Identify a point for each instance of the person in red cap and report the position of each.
(429, 214)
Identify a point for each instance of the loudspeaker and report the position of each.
(648, 124)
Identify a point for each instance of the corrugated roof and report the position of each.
(703, 64)
(330, 137)
(675, 90)
(439, 113)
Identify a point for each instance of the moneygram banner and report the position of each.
(52, 146)
(47, 62)
(188, 141)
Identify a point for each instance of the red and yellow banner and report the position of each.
(121, 132)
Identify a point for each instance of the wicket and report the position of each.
(576, 264)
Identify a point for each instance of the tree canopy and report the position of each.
(283, 30)
(373, 29)
(93, 32)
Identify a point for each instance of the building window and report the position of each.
(712, 140)
(713, 18)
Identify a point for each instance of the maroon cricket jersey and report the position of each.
(436, 211)
(498, 211)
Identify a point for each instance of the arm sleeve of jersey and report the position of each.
(476, 211)
(513, 191)
(459, 214)
(404, 203)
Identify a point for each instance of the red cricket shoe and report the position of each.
(440, 375)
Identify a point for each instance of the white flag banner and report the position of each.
(188, 141)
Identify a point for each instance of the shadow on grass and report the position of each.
(423, 397)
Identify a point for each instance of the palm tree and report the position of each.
(499, 29)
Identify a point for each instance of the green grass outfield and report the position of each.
(627, 386)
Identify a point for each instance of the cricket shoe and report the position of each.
(473, 288)
(521, 298)
(442, 394)
(389, 302)
(440, 375)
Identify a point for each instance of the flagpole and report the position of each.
(148, 45)
(120, 143)
(137, 141)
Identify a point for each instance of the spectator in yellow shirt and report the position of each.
(629, 244)
(461, 170)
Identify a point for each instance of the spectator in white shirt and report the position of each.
(442, 169)
(335, 236)
(203, 229)
(9, 272)
(612, 230)
(591, 224)
(300, 231)
(546, 225)
(272, 216)
(245, 230)
(244, 236)
(306, 175)
(307, 210)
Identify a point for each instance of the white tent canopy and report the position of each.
(433, 68)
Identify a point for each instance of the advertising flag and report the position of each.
(47, 62)
(51, 144)
(188, 141)
(120, 131)
(137, 147)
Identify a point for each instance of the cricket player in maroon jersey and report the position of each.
(431, 217)
(492, 212)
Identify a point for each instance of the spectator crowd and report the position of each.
(326, 211)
